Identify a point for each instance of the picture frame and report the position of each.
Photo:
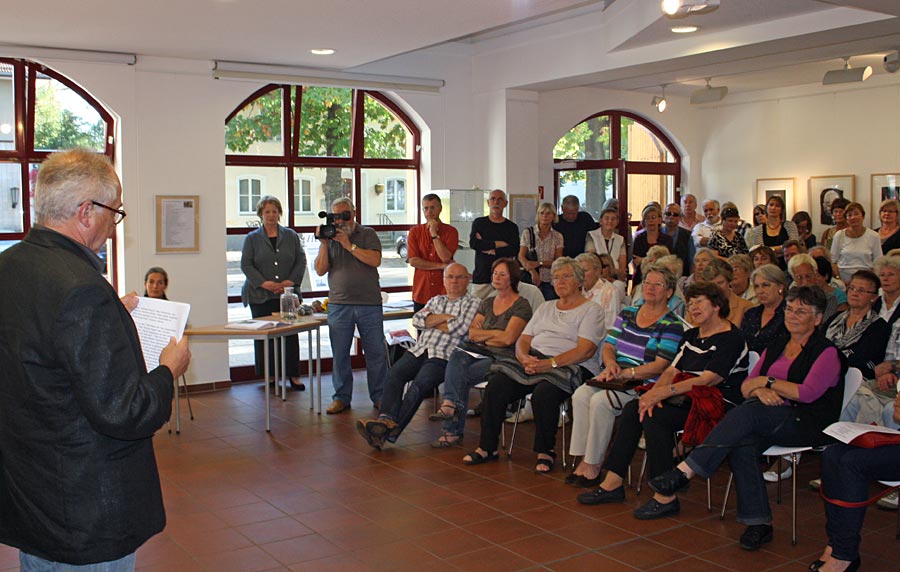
(766, 188)
(824, 189)
(884, 186)
(523, 210)
(177, 223)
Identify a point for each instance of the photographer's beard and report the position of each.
(346, 226)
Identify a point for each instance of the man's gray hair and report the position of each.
(70, 178)
(343, 201)
(571, 200)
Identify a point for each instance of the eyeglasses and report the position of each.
(804, 277)
(654, 284)
(673, 214)
(803, 313)
(120, 213)
(561, 277)
(860, 290)
(892, 211)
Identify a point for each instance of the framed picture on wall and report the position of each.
(884, 186)
(767, 188)
(822, 192)
(523, 210)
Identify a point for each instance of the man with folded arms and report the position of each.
(443, 322)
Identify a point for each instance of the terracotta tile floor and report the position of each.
(312, 496)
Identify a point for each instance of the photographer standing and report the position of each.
(351, 260)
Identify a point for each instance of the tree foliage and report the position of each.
(56, 127)
(325, 130)
(589, 140)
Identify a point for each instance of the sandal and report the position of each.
(548, 463)
(442, 415)
(446, 440)
(476, 458)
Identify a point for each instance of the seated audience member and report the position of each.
(819, 251)
(701, 259)
(443, 323)
(859, 331)
(804, 229)
(888, 270)
(742, 225)
(807, 271)
(676, 302)
(763, 323)
(640, 345)
(840, 223)
(728, 240)
(712, 354)
(791, 248)
(545, 244)
(156, 280)
(846, 474)
(775, 232)
(649, 237)
(597, 288)
(719, 273)
(555, 353)
(762, 255)
(792, 393)
(742, 267)
(856, 247)
(574, 224)
(605, 240)
(495, 328)
(889, 231)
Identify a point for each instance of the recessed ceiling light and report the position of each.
(684, 29)
(321, 51)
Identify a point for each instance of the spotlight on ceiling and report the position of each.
(708, 94)
(847, 75)
(684, 8)
(658, 102)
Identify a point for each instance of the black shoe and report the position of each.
(586, 483)
(669, 483)
(600, 496)
(372, 440)
(298, 386)
(654, 509)
(755, 536)
(571, 479)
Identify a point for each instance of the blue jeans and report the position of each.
(742, 436)
(846, 474)
(463, 373)
(424, 374)
(369, 320)
(32, 563)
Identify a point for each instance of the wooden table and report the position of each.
(221, 333)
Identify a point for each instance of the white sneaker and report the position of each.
(815, 484)
(772, 477)
(889, 501)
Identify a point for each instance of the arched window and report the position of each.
(41, 111)
(616, 154)
(308, 146)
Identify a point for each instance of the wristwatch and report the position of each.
(353, 247)
(770, 381)
(553, 363)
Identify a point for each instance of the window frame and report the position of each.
(25, 76)
(252, 205)
(298, 182)
(389, 191)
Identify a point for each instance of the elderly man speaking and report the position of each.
(444, 322)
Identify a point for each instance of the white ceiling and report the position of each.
(365, 31)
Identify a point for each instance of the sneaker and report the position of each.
(525, 414)
(771, 476)
(889, 501)
(755, 536)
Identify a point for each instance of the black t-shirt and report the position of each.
(575, 232)
(724, 354)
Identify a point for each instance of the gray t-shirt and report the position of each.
(557, 331)
(349, 280)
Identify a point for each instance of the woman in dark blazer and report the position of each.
(272, 259)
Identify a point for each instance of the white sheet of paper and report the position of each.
(845, 431)
(157, 321)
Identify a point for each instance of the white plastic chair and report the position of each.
(852, 381)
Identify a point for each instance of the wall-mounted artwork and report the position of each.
(884, 186)
(768, 188)
(823, 190)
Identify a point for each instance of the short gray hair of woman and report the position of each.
(889, 202)
(742, 260)
(673, 263)
(591, 259)
(892, 262)
(770, 273)
(564, 261)
(268, 200)
(717, 268)
(800, 259)
(70, 178)
(667, 275)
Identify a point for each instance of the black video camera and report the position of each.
(329, 229)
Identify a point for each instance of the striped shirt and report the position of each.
(636, 346)
(440, 344)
